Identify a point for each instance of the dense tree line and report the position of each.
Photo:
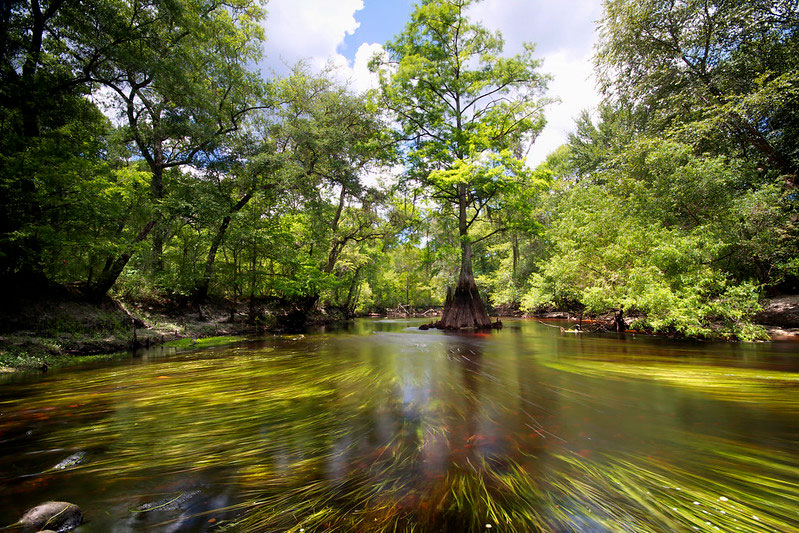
(140, 154)
(676, 202)
(681, 202)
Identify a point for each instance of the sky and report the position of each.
(346, 33)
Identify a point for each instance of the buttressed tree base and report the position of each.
(464, 309)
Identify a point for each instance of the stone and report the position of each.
(56, 516)
(73, 460)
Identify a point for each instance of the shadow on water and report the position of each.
(377, 426)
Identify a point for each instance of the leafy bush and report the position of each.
(606, 253)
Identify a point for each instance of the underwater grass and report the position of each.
(616, 494)
(296, 434)
(187, 415)
(769, 388)
(205, 342)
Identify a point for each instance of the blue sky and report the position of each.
(346, 33)
(380, 21)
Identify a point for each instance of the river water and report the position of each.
(381, 427)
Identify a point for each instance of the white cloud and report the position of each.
(311, 31)
(574, 84)
(364, 78)
(564, 35)
(308, 30)
(357, 75)
(554, 26)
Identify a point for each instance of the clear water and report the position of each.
(380, 426)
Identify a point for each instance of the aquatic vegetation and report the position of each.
(404, 431)
(213, 403)
(631, 494)
(768, 388)
(205, 341)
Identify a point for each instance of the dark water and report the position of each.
(380, 426)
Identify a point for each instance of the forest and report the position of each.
(143, 158)
(217, 282)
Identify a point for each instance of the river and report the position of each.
(378, 426)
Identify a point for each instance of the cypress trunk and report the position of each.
(464, 308)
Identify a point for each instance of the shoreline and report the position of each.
(62, 332)
(44, 334)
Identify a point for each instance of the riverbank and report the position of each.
(43, 333)
(38, 334)
(779, 318)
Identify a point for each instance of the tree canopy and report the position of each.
(724, 67)
(143, 156)
(467, 115)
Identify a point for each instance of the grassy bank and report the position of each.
(50, 333)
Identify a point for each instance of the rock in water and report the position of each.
(170, 503)
(56, 516)
(73, 460)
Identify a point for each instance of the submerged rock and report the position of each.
(166, 504)
(55, 516)
(73, 460)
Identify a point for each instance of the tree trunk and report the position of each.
(352, 295)
(234, 284)
(464, 308)
(157, 193)
(253, 262)
(202, 290)
(115, 266)
(32, 268)
(338, 245)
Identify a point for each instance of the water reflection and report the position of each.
(380, 426)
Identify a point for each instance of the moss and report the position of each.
(205, 342)
(35, 356)
(59, 332)
(29, 353)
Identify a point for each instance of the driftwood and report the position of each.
(408, 311)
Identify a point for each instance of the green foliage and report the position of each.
(683, 209)
(64, 205)
(454, 91)
(655, 245)
(678, 202)
(721, 73)
(593, 147)
(465, 111)
(175, 72)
